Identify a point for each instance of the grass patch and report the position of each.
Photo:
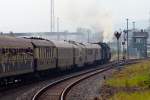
(132, 96)
(137, 75)
(131, 83)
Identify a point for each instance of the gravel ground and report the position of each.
(26, 92)
(89, 88)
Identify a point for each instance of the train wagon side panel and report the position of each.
(80, 58)
(12, 68)
(90, 53)
(65, 54)
(65, 58)
(46, 59)
(76, 55)
(79, 53)
(98, 53)
(44, 55)
(15, 57)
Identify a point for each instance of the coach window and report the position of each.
(42, 54)
(46, 54)
(50, 54)
(39, 53)
(53, 51)
(24, 56)
(17, 54)
(49, 51)
(44, 51)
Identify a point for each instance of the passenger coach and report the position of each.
(93, 53)
(44, 55)
(24, 58)
(64, 54)
(16, 58)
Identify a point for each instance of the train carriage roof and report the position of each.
(42, 43)
(77, 44)
(62, 44)
(94, 46)
(13, 42)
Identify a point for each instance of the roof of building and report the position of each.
(140, 34)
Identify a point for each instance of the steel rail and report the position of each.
(41, 91)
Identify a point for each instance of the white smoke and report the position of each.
(87, 13)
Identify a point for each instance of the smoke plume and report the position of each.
(88, 13)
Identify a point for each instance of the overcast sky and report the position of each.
(101, 15)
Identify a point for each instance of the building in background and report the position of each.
(138, 44)
(81, 35)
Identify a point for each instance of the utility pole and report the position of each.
(123, 44)
(57, 24)
(58, 36)
(149, 21)
(127, 39)
(52, 16)
(123, 56)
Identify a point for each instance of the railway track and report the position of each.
(59, 89)
(28, 91)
